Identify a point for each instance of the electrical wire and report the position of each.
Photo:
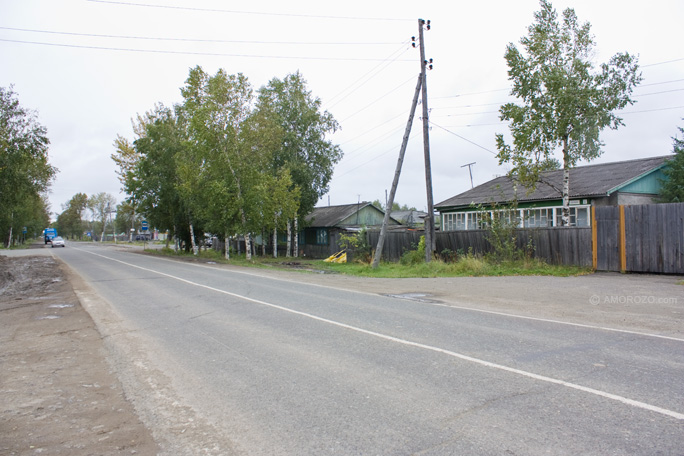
(463, 138)
(367, 76)
(213, 54)
(379, 98)
(258, 13)
(198, 40)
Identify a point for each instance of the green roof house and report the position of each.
(629, 182)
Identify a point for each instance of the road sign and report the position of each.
(144, 225)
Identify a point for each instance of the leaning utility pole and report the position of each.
(397, 172)
(430, 219)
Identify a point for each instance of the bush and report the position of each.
(358, 245)
(417, 256)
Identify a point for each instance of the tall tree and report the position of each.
(672, 190)
(70, 221)
(565, 103)
(25, 172)
(305, 150)
(102, 205)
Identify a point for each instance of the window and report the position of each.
(321, 236)
(454, 221)
(537, 218)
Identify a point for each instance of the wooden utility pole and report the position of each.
(395, 182)
(430, 219)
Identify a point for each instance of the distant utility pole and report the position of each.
(430, 219)
(469, 165)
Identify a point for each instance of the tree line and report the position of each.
(25, 173)
(229, 160)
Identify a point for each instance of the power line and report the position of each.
(367, 76)
(214, 54)
(653, 110)
(198, 40)
(259, 13)
(662, 63)
(465, 139)
(378, 99)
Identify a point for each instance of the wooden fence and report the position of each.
(567, 246)
(644, 238)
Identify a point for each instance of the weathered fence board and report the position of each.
(654, 238)
(567, 246)
(607, 225)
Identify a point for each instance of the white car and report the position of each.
(58, 242)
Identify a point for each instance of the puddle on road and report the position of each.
(420, 297)
(60, 306)
(49, 317)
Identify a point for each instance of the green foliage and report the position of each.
(565, 103)
(226, 164)
(357, 244)
(303, 148)
(25, 173)
(672, 190)
(70, 222)
(416, 256)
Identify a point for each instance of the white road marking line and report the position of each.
(543, 378)
(448, 306)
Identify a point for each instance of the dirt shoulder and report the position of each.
(59, 395)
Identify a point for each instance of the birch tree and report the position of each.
(565, 102)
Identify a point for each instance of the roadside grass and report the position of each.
(465, 266)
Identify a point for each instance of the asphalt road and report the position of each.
(223, 361)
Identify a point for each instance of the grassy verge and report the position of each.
(467, 266)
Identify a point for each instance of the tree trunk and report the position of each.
(248, 247)
(263, 242)
(296, 238)
(227, 246)
(275, 242)
(289, 239)
(565, 219)
(192, 240)
(9, 240)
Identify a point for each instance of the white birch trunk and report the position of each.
(248, 247)
(289, 238)
(263, 242)
(9, 240)
(227, 245)
(195, 249)
(296, 238)
(275, 242)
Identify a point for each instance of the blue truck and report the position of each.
(49, 233)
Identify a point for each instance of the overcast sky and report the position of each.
(88, 67)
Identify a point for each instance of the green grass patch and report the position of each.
(465, 266)
(468, 266)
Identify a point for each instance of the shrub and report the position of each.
(417, 256)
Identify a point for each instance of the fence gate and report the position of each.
(642, 238)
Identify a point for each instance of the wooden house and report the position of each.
(629, 182)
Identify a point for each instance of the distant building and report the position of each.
(323, 226)
(608, 184)
(411, 219)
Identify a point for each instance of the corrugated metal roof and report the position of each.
(327, 216)
(585, 181)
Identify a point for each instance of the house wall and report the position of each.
(367, 216)
(635, 199)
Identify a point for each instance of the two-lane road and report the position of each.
(223, 361)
